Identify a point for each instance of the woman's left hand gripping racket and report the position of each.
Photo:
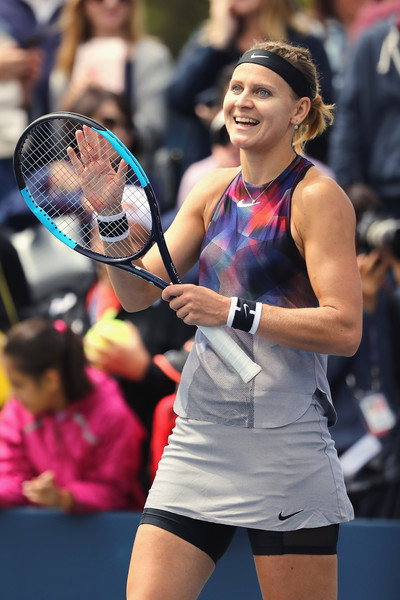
(51, 185)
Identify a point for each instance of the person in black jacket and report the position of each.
(364, 148)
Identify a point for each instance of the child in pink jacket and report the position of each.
(67, 438)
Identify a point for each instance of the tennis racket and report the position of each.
(45, 167)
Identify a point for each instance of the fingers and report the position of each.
(172, 291)
(122, 172)
(85, 150)
(89, 145)
(76, 163)
(185, 301)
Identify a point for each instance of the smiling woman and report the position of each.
(291, 69)
(277, 267)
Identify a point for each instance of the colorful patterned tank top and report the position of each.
(248, 249)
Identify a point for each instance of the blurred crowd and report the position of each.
(95, 445)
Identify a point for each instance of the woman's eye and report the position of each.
(236, 89)
(263, 93)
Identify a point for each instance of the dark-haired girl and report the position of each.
(67, 439)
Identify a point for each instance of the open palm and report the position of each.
(102, 186)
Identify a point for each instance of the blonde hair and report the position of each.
(320, 115)
(275, 18)
(76, 29)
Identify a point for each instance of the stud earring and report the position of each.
(296, 127)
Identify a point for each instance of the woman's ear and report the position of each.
(302, 110)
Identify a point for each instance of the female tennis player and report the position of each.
(275, 240)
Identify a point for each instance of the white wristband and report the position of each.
(111, 218)
(231, 315)
(257, 318)
(113, 228)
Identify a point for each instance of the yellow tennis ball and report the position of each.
(105, 329)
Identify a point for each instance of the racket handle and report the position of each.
(230, 350)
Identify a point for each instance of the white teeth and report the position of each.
(246, 120)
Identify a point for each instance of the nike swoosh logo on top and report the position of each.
(258, 56)
(245, 307)
(282, 517)
(246, 203)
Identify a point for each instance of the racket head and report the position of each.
(52, 189)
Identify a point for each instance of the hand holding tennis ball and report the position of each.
(117, 347)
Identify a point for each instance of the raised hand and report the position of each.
(102, 186)
(224, 23)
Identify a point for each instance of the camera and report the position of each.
(378, 231)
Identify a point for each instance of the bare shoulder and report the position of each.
(318, 193)
(321, 211)
(206, 193)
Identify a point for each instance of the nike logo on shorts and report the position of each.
(282, 517)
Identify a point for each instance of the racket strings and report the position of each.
(56, 189)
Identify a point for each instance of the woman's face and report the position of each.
(258, 108)
(37, 396)
(107, 17)
(243, 8)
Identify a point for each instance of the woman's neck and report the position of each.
(260, 168)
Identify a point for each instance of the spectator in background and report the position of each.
(223, 153)
(67, 438)
(19, 70)
(29, 38)
(15, 296)
(332, 22)
(364, 143)
(104, 44)
(153, 331)
(33, 24)
(231, 28)
(366, 393)
(373, 11)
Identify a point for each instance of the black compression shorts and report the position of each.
(214, 538)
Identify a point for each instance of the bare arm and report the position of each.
(323, 227)
(184, 238)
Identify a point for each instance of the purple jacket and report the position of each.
(94, 448)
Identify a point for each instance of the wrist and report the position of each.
(113, 227)
(244, 314)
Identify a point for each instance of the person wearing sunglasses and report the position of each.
(103, 44)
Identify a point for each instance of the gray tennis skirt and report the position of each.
(281, 479)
